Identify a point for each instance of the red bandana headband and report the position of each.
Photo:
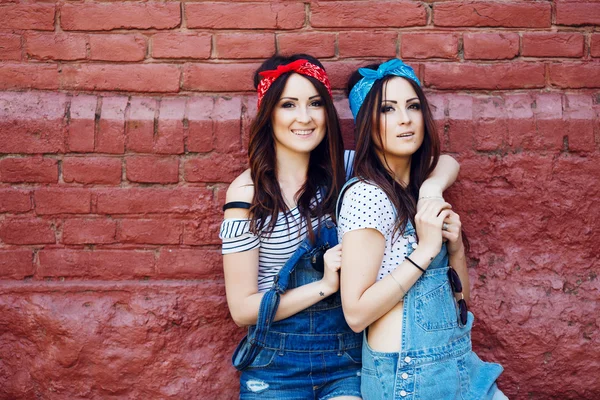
(303, 67)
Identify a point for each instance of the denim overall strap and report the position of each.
(346, 186)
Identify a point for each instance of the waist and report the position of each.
(452, 349)
(311, 342)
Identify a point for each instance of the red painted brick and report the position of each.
(28, 170)
(200, 124)
(96, 264)
(62, 201)
(181, 45)
(50, 46)
(89, 231)
(219, 77)
(169, 137)
(117, 47)
(244, 16)
(152, 169)
(460, 123)
(202, 232)
(227, 124)
(27, 16)
(10, 46)
(367, 44)
(109, 16)
(32, 122)
(579, 119)
(26, 231)
(358, 14)
(213, 168)
(150, 231)
(595, 45)
(577, 13)
(490, 46)
(429, 45)
(14, 200)
(140, 124)
(245, 45)
(491, 127)
(481, 13)
(575, 75)
(28, 76)
(189, 263)
(340, 71)
(16, 264)
(82, 123)
(111, 128)
(478, 76)
(550, 44)
(317, 44)
(145, 201)
(92, 170)
(131, 78)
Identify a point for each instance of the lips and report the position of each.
(405, 135)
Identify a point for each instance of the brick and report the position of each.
(202, 232)
(28, 170)
(169, 136)
(27, 16)
(92, 170)
(129, 78)
(80, 136)
(595, 45)
(189, 263)
(26, 231)
(367, 44)
(430, 45)
(32, 122)
(479, 76)
(244, 16)
(159, 201)
(28, 76)
(62, 201)
(111, 127)
(491, 127)
(317, 44)
(549, 44)
(575, 75)
(227, 124)
(139, 126)
(89, 231)
(96, 264)
(181, 45)
(150, 231)
(579, 118)
(16, 264)
(10, 46)
(460, 123)
(109, 16)
(245, 45)
(355, 14)
(340, 71)
(50, 46)
(152, 169)
(200, 124)
(481, 13)
(117, 47)
(219, 77)
(577, 13)
(14, 200)
(213, 168)
(490, 46)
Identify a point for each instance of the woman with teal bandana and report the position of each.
(404, 277)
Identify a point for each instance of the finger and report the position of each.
(441, 217)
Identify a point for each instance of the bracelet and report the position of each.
(415, 264)
(399, 285)
(430, 197)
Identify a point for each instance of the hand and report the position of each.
(332, 260)
(453, 233)
(425, 201)
(429, 222)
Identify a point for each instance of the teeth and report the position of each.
(302, 132)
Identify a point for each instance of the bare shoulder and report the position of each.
(241, 189)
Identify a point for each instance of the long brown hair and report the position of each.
(326, 165)
(369, 167)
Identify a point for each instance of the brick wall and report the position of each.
(122, 122)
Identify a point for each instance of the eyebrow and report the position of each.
(295, 98)
(395, 102)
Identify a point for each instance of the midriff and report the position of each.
(384, 335)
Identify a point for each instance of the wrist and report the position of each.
(430, 189)
(325, 288)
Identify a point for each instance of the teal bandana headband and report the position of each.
(360, 91)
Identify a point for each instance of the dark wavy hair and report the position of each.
(368, 166)
(326, 166)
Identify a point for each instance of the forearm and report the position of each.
(441, 178)
(458, 261)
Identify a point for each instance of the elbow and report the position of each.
(240, 319)
(355, 323)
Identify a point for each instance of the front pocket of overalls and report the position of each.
(435, 307)
(264, 359)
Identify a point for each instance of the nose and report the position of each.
(303, 115)
(404, 117)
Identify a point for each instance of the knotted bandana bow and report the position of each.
(360, 91)
(303, 67)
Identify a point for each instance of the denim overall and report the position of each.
(312, 354)
(436, 361)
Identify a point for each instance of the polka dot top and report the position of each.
(367, 206)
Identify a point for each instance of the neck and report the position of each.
(398, 167)
(292, 169)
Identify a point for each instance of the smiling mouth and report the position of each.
(302, 132)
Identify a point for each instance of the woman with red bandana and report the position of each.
(281, 257)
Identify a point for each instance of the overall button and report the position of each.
(414, 245)
(407, 359)
(405, 376)
(403, 393)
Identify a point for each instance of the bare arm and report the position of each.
(441, 178)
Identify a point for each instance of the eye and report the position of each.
(287, 104)
(387, 109)
(414, 106)
(317, 103)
